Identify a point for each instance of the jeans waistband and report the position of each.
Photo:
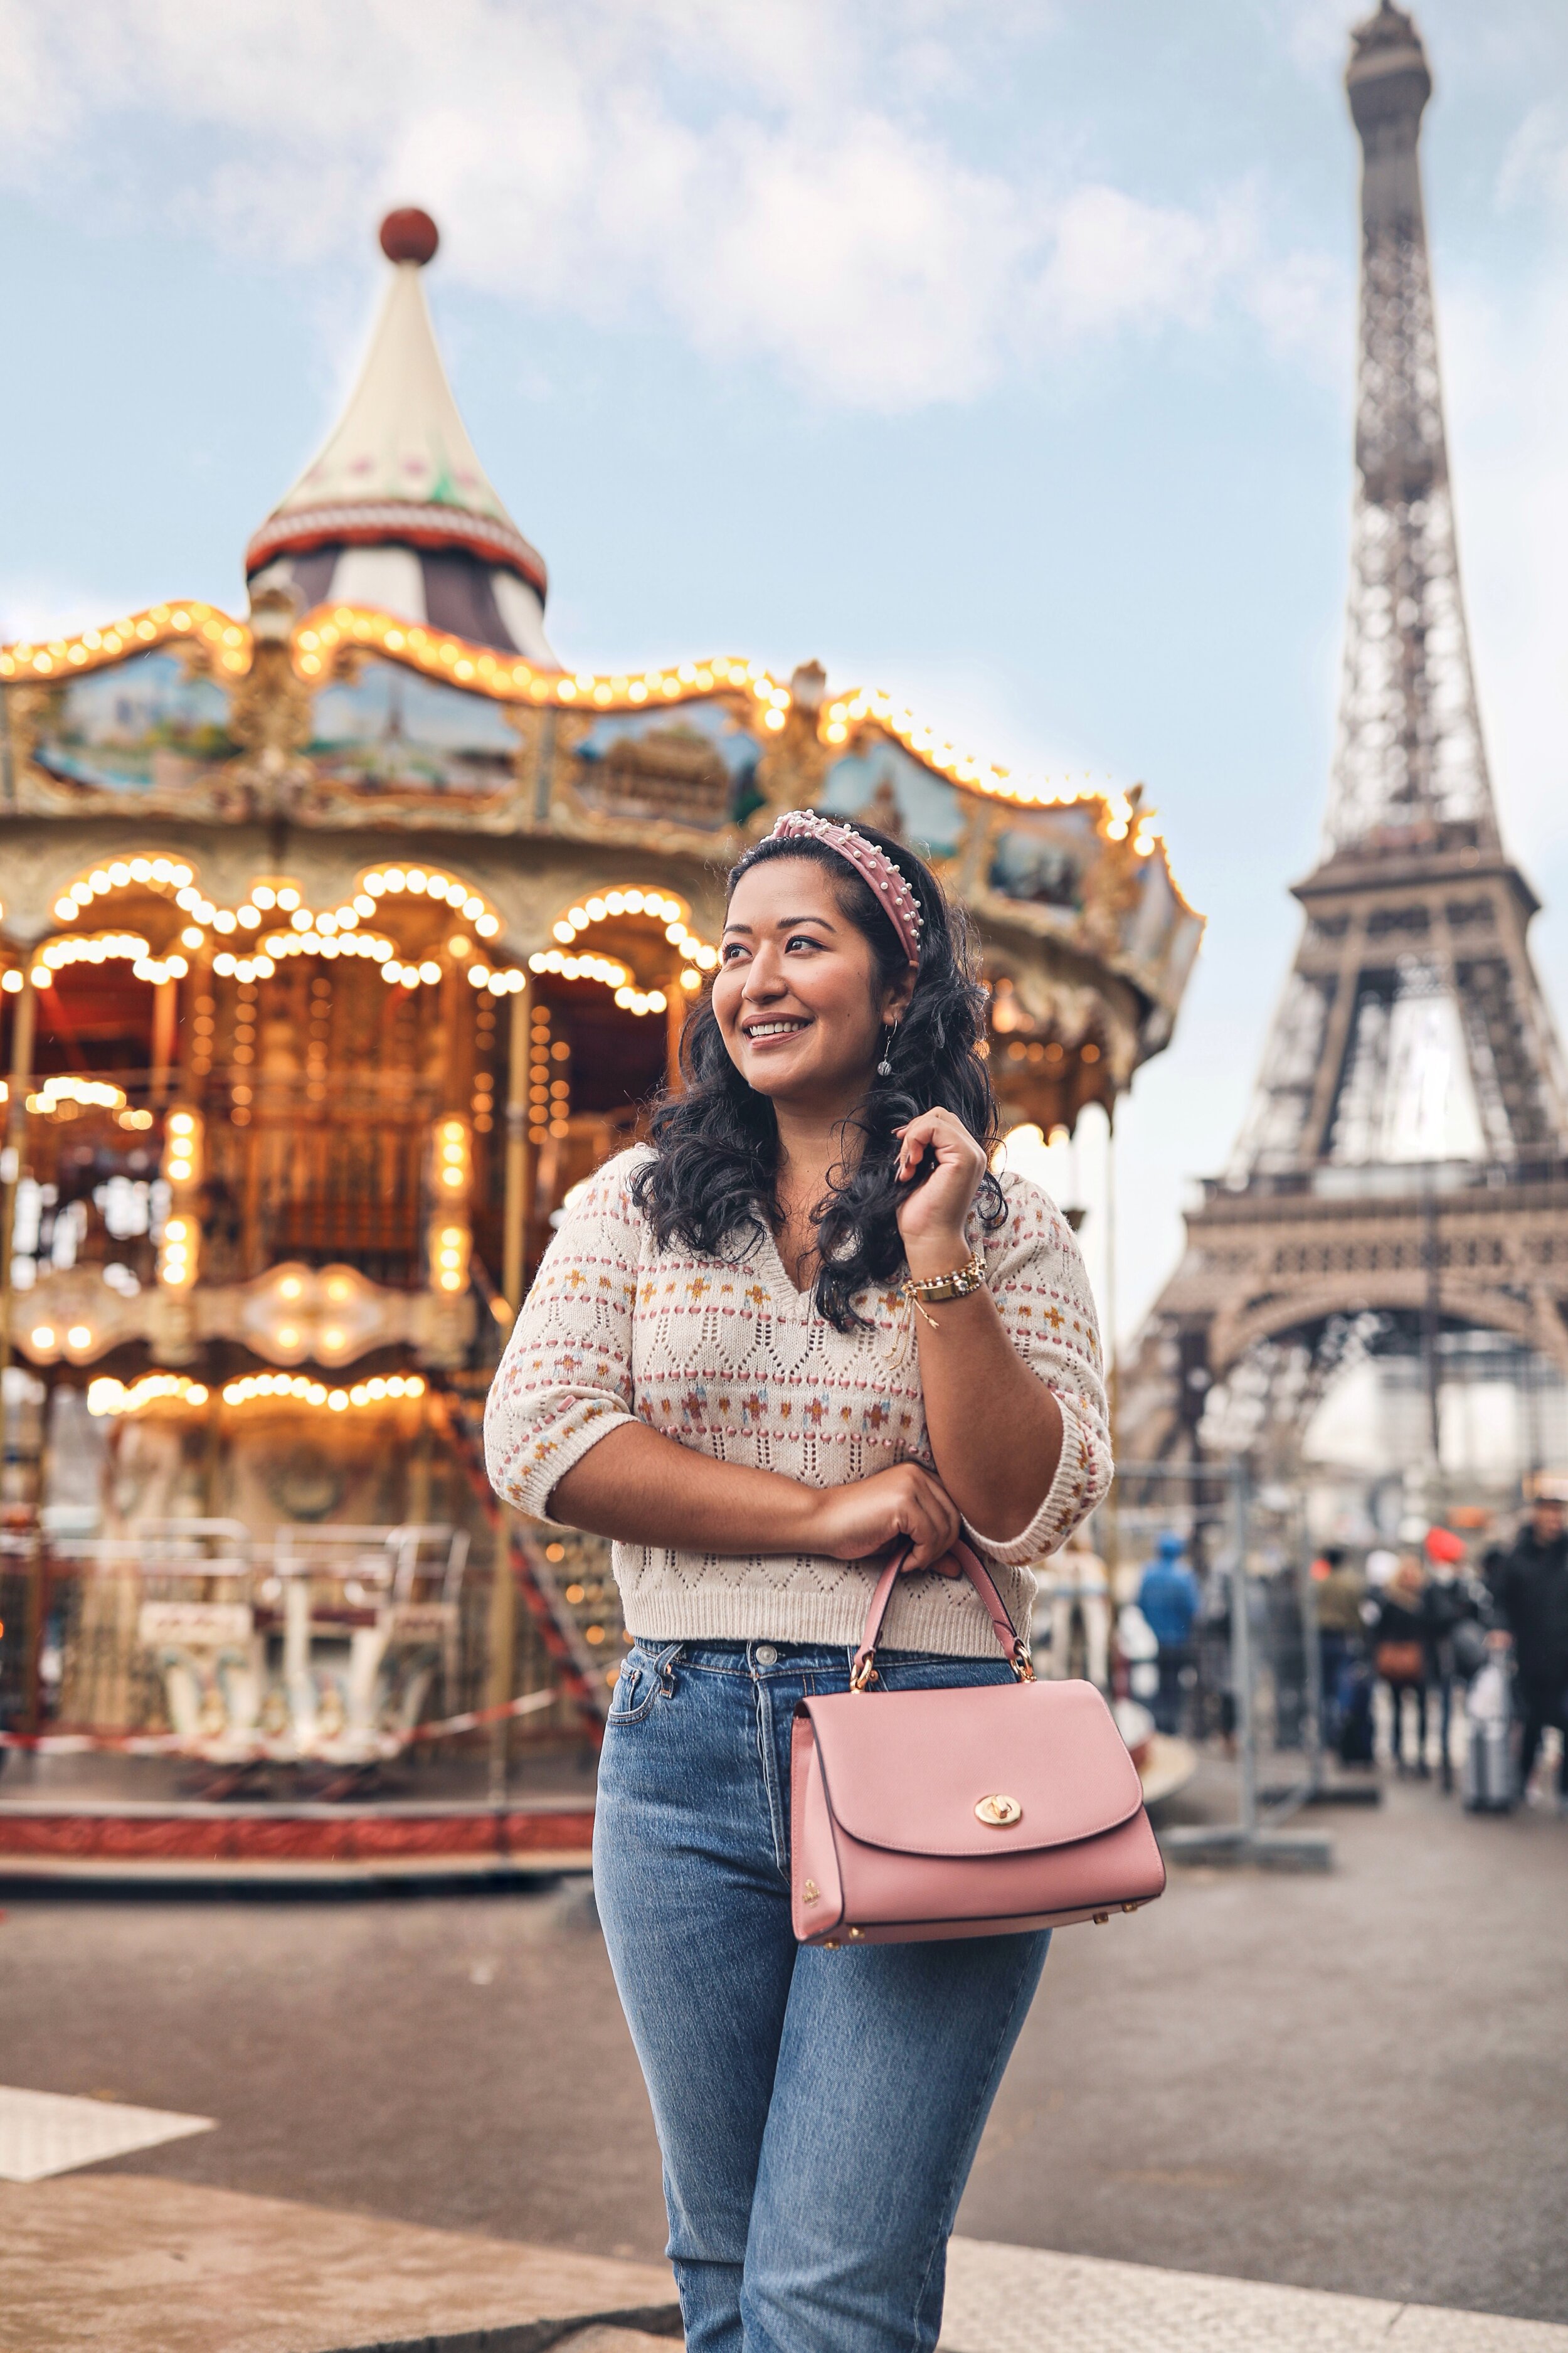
(761, 1657)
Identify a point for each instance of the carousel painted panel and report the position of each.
(385, 741)
(692, 764)
(1044, 857)
(1161, 934)
(151, 733)
(880, 783)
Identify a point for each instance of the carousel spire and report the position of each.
(398, 510)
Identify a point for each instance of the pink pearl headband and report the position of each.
(873, 866)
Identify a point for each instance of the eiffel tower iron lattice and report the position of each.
(1405, 1154)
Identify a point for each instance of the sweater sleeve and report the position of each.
(1038, 1278)
(565, 1381)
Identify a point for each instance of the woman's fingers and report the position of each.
(934, 1523)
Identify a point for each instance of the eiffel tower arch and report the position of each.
(1402, 1169)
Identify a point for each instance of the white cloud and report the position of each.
(773, 179)
(1507, 369)
(1535, 161)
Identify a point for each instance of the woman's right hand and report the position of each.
(869, 1515)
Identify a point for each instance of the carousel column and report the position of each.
(676, 1008)
(24, 1021)
(165, 1020)
(514, 1237)
(514, 1270)
(23, 1026)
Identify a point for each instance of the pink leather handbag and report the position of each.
(976, 1811)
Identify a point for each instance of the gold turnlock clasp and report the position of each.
(998, 1813)
(811, 1893)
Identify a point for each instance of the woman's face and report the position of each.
(799, 998)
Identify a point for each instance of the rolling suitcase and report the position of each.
(1489, 1777)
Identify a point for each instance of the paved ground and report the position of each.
(117, 2263)
(1354, 2083)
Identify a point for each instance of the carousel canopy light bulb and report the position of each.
(364, 904)
(473, 906)
(140, 871)
(415, 879)
(264, 894)
(430, 971)
(193, 938)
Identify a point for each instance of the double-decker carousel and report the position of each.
(338, 942)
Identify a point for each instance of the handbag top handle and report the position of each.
(1014, 1649)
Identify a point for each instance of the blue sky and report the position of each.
(998, 355)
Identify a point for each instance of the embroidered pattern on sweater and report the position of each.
(723, 1355)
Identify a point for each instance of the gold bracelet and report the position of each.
(939, 1287)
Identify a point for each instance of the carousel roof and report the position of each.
(397, 512)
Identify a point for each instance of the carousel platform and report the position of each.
(90, 1822)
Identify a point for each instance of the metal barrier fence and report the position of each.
(1255, 1649)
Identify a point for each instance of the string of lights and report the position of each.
(480, 670)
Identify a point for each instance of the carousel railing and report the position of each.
(332, 1641)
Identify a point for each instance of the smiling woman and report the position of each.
(728, 1364)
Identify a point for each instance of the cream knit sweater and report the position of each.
(728, 1357)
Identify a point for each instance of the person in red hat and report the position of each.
(1449, 1600)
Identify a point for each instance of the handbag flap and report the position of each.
(1043, 1763)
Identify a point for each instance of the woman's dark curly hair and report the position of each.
(711, 1184)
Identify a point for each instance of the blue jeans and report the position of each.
(818, 2111)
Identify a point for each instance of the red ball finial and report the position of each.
(409, 235)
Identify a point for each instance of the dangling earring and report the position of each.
(885, 1068)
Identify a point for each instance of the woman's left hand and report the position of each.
(932, 1214)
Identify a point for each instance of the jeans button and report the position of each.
(766, 1655)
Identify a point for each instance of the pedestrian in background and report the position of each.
(1401, 1655)
(803, 1328)
(1450, 1601)
(1337, 1597)
(1169, 1597)
(1532, 1593)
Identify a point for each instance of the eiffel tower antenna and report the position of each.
(1410, 756)
(1404, 1155)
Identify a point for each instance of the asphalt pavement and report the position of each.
(1355, 2082)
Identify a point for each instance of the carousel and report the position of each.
(341, 937)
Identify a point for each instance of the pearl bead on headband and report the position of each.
(872, 865)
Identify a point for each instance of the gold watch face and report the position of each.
(999, 1812)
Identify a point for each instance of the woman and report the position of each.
(1401, 1654)
(803, 1326)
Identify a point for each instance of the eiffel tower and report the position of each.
(1403, 1165)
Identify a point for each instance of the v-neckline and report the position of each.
(791, 1288)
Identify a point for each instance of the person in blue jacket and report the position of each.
(1168, 1595)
